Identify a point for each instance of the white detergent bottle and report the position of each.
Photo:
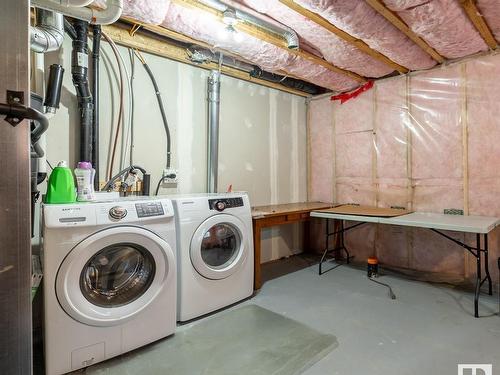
(85, 181)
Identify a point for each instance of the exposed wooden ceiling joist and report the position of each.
(159, 47)
(316, 18)
(403, 27)
(272, 39)
(174, 35)
(478, 21)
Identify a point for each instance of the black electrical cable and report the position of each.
(158, 186)
(50, 165)
(162, 110)
(391, 293)
(163, 178)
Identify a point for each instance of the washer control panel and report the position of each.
(222, 203)
(149, 209)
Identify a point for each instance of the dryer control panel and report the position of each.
(222, 203)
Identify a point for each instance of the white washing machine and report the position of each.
(109, 279)
(214, 252)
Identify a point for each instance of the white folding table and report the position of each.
(480, 225)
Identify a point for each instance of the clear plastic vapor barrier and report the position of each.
(428, 142)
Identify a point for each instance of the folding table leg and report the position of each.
(478, 276)
(326, 246)
(486, 266)
(342, 246)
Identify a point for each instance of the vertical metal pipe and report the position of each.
(15, 236)
(213, 91)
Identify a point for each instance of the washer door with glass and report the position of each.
(114, 274)
(219, 246)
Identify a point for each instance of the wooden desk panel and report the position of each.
(280, 214)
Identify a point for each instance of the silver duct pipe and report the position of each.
(248, 15)
(200, 55)
(213, 97)
(48, 34)
(106, 16)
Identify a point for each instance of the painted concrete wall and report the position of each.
(262, 134)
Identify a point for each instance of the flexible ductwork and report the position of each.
(106, 16)
(213, 91)
(247, 15)
(48, 34)
(201, 55)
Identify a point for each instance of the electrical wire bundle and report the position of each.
(128, 133)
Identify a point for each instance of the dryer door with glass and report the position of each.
(114, 274)
(219, 246)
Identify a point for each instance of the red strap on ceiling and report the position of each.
(344, 97)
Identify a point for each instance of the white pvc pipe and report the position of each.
(106, 16)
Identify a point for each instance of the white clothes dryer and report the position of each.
(214, 252)
(109, 279)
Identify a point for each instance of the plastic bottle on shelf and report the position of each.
(85, 174)
(61, 185)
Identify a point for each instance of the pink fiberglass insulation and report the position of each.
(319, 75)
(392, 245)
(355, 115)
(203, 27)
(436, 133)
(490, 10)
(334, 49)
(483, 95)
(433, 253)
(393, 192)
(443, 24)
(354, 153)
(320, 135)
(436, 139)
(353, 123)
(398, 5)
(356, 190)
(147, 11)
(361, 241)
(435, 178)
(360, 20)
(391, 130)
(435, 195)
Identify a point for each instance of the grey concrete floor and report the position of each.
(428, 329)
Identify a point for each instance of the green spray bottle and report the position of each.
(61, 186)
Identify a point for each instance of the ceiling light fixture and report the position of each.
(229, 17)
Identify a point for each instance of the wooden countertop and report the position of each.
(287, 208)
